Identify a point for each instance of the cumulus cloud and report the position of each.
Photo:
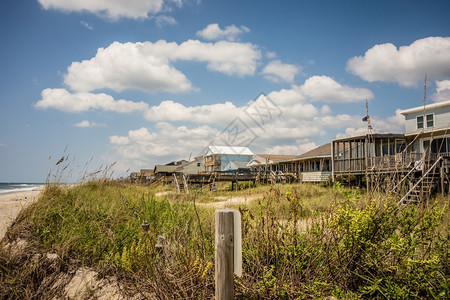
(405, 65)
(391, 124)
(442, 91)
(147, 66)
(287, 126)
(229, 33)
(63, 100)
(324, 88)
(111, 9)
(168, 110)
(219, 113)
(86, 124)
(126, 66)
(277, 71)
(301, 148)
(144, 147)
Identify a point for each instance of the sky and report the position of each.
(120, 86)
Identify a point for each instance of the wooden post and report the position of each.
(224, 260)
(442, 177)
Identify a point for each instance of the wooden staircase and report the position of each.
(424, 186)
(180, 182)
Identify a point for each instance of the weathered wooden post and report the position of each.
(228, 258)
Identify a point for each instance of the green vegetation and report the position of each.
(299, 241)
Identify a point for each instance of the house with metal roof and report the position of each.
(217, 157)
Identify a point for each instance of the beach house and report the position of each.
(217, 157)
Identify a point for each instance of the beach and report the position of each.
(12, 203)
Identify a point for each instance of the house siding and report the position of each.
(441, 120)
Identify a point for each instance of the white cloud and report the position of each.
(324, 88)
(442, 91)
(163, 20)
(219, 113)
(276, 71)
(291, 149)
(63, 100)
(214, 32)
(405, 65)
(391, 124)
(111, 9)
(147, 66)
(85, 24)
(126, 66)
(352, 131)
(142, 147)
(86, 124)
(287, 96)
(293, 121)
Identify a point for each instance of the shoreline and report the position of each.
(12, 203)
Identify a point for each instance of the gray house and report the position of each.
(427, 128)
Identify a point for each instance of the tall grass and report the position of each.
(299, 241)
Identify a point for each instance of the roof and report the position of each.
(427, 107)
(373, 136)
(146, 172)
(240, 164)
(165, 169)
(230, 150)
(324, 150)
(177, 163)
(273, 157)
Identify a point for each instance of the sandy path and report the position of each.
(11, 204)
(230, 201)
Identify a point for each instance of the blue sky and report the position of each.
(144, 82)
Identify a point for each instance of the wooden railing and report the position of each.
(400, 161)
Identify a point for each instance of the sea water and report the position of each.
(9, 187)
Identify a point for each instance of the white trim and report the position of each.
(427, 107)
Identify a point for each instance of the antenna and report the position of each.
(367, 118)
(425, 91)
(424, 100)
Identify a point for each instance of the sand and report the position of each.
(230, 201)
(11, 204)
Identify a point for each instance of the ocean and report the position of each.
(9, 187)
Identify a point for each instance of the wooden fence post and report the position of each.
(224, 247)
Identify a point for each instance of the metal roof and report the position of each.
(228, 150)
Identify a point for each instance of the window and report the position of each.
(419, 122)
(439, 145)
(430, 120)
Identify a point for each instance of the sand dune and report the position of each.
(11, 204)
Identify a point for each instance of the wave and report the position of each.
(18, 187)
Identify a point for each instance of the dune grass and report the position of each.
(299, 240)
